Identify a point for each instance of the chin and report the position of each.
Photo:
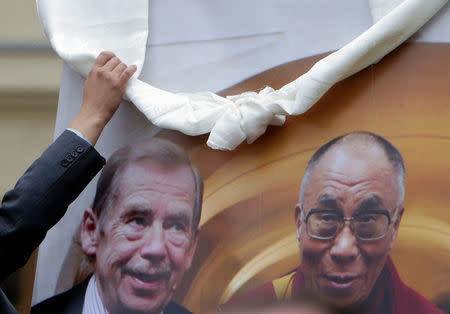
(341, 298)
(140, 306)
(341, 302)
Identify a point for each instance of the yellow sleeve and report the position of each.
(283, 287)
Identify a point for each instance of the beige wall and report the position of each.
(29, 82)
(24, 133)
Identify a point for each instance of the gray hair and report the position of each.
(164, 152)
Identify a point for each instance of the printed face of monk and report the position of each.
(145, 242)
(348, 178)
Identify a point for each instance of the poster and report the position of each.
(247, 232)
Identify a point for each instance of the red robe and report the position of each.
(389, 295)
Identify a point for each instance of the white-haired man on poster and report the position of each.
(140, 234)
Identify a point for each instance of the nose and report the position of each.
(345, 248)
(153, 246)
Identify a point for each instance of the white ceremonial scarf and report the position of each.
(80, 30)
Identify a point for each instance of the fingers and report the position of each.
(107, 62)
(103, 57)
(103, 91)
(111, 64)
(119, 68)
(127, 74)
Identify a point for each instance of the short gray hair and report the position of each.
(164, 152)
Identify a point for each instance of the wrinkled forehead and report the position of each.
(358, 169)
(148, 175)
(355, 160)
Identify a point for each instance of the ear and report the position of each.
(396, 227)
(191, 251)
(89, 234)
(298, 221)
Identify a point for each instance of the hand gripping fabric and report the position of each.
(79, 30)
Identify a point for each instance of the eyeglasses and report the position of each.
(367, 225)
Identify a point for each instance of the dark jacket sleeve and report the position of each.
(41, 197)
(68, 302)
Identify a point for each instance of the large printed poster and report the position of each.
(249, 233)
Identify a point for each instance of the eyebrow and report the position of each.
(136, 210)
(328, 201)
(179, 216)
(371, 202)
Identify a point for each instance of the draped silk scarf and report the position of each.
(80, 30)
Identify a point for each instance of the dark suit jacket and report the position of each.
(40, 198)
(71, 302)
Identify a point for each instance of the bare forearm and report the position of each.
(91, 127)
(103, 92)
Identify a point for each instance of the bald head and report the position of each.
(359, 146)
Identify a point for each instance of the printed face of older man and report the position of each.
(144, 243)
(348, 222)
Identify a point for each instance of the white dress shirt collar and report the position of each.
(92, 302)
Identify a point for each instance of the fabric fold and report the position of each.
(80, 30)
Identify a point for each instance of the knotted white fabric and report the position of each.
(80, 30)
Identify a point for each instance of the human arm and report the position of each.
(103, 91)
(42, 195)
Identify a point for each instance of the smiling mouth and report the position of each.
(342, 283)
(150, 277)
(341, 279)
(148, 280)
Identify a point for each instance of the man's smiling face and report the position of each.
(144, 243)
(348, 178)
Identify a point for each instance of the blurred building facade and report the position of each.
(29, 84)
